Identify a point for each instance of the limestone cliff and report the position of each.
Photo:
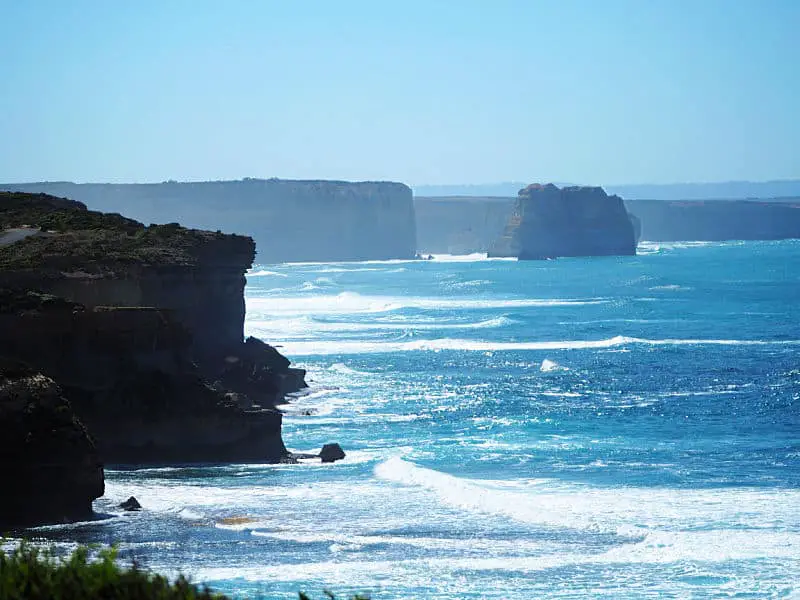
(143, 329)
(716, 220)
(549, 222)
(49, 466)
(460, 224)
(290, 220)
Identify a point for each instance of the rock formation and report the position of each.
(290, 220)
(142, 327)
(49, 466)
(549, 222)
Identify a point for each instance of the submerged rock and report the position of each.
(331, 453)
(49, 466)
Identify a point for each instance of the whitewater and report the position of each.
(611, 427)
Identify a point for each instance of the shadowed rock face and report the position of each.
(129, 376)
(142, 327)
(549, 222)
(49, 465)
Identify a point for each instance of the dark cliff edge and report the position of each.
(291, 221)
(551, 222)
(141, 328)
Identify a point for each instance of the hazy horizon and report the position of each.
(421, 92)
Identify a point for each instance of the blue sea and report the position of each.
(577, 428)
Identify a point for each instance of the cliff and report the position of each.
(143, 329)
(49, 466)
(549, 222)
(716, 220)
(460, 224)
(290, 220)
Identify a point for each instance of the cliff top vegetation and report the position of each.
(69, 235)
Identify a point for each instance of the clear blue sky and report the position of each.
(420, 91)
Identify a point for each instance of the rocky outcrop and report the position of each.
(290, 220)
(716, 220)
(49, 465)
(549, 222)
(143, 329)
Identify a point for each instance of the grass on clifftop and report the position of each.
(31, 574)
(74, 237)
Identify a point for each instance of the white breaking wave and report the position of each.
(551, 365)
(303, 327)
(351, 302)
(630, 512)
(328, 347)
(264, 273)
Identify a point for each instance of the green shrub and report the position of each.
(28, 573)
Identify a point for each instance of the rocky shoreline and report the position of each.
(127, 343)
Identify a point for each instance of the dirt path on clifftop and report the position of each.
(10, 236)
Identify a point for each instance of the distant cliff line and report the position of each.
(777, 190)
(290, 220)
(465, 224)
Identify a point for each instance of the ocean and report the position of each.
(578, 428)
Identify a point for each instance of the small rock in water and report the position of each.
(331, 453)
(131, 504)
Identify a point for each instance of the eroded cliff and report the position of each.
(143, 329)
(290, 220)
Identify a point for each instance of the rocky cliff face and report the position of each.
(460, 224)
(549, 222)
(49, 466)
(101, 259)
(143, 329)
(129, 375)
(716, 220)
(290, 220)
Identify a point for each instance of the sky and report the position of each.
(419, 91)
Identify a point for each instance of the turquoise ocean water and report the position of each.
(610, 427)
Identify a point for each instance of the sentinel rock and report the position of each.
(550, 222)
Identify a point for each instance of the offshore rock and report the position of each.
(549, 222)
(331, 453)
(131, 504)
(49, 465)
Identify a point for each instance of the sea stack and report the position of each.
(550, 222)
